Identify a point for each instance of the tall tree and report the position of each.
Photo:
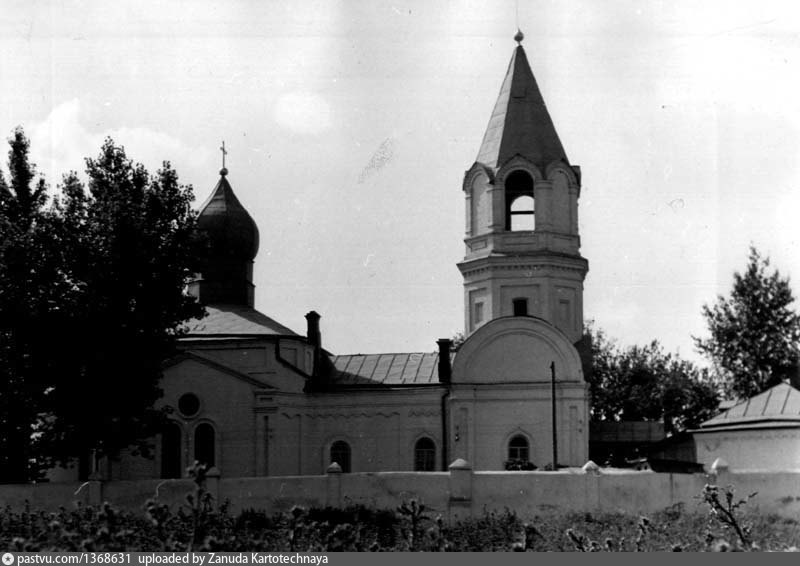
(645, 383)
(107, 303)
(26, 293)
(128, 245)
(754, 338)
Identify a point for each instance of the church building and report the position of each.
(253, 398)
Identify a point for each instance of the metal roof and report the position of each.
(520, 123)
(386, 369)
(230, 228)
(236, 320)
(778, 404)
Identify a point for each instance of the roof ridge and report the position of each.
(388, 354)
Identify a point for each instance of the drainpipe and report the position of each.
(553, 396)
(445, 376)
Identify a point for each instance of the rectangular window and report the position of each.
(476, 309)
(477, 314)
(520, 307)
(564, 315)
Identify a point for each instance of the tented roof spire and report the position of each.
(520, 123)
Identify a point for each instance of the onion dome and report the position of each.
(230, 229)
(231, 237)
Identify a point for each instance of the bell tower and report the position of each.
(522, 253)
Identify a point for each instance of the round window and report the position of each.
(188, 404)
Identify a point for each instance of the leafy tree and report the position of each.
(26, 293)
(645, 383)
(754, 338)
(106, 301)
(458, 339)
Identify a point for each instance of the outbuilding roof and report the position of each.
(779, 405)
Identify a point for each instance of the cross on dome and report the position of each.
(224, 170)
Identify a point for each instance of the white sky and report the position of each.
(349, 127)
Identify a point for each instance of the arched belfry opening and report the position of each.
(519, 202)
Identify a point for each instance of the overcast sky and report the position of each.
(349, 127)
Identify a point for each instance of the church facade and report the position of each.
(253, 398)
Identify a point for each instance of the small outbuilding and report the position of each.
(760, 433)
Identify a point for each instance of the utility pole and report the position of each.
(553, 412)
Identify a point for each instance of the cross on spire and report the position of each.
(224, 170)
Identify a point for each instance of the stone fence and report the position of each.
(461, 492)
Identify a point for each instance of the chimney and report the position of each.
(445, 371)
(313, 335)
(315, 341)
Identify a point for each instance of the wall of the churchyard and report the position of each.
(458, 493)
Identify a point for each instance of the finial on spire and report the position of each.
(519, 36)
(224, 170)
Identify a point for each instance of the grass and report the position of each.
(363, 529)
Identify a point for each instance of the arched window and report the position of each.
(204, 449)
(171, 451)
(424, 455)
(340, 453)
(518, 448)
(519, 202)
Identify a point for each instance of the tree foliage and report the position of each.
(24, 304)
(754, 340)
(92, 299)
(645, 383)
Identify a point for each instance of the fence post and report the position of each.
(94, 495)
(593, 478)
(460, 504)
(720, 472)
(333, 480)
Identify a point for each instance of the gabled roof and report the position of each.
(386, 369)
(520, 123)
(235, 320)
(779, 405)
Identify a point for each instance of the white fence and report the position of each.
(458, 493)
